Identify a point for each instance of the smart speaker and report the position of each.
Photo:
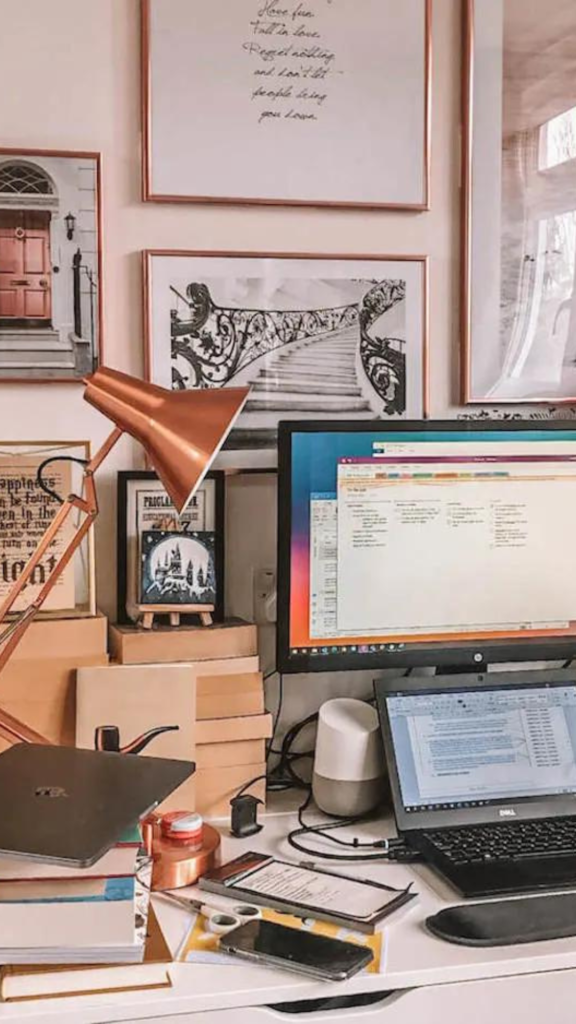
(349, 764)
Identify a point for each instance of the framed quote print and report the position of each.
(316, 102)
(519, 300)
(26, 511)
(314, 336)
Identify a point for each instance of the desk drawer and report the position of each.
(529, 998)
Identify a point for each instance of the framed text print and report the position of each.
(26, 512)
(314, 337)
(519, 301)
(322, 102)
(146, 511)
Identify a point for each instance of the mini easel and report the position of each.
(148, 611)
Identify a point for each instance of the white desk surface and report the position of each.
(414, 957)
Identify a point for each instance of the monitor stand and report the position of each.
(456, 670)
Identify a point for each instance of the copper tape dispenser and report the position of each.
(182, 848)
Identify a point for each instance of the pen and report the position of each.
(312, 866)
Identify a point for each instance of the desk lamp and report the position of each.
(181, 432)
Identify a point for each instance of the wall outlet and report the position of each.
(264, 592)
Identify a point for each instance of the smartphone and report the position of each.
(294, 949)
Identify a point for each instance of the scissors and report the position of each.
(219, 921)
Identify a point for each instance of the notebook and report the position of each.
(34, 982)
(75, 921)
(120, 860)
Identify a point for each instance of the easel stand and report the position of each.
(148, 611)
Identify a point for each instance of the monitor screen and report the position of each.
(430, 543)
(472, 748)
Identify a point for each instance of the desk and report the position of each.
(426, 980)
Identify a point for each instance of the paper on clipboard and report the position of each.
(300, 885)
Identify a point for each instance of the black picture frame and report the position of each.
(126, 478)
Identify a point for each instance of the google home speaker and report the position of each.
(349, 765)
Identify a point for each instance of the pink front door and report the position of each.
(25, 271)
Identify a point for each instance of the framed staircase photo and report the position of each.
(315, 336)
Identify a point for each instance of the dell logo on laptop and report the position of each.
(507, 812)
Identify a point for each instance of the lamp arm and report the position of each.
(10, 727)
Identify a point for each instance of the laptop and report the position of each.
(483, 776)
(69, 806)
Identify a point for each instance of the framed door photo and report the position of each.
(50, 265)
(287, 102)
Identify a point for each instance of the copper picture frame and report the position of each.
(518, 308)
(215, 318)
(231, 191)
(51, 267)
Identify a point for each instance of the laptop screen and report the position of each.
(473, 748)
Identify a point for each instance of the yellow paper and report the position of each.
(200, 945)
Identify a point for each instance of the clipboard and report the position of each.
(307, 891)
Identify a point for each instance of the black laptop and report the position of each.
(483, 776)
(70, 806)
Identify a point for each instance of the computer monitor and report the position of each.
(450, 544)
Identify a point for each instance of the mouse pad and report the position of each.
(507, 922)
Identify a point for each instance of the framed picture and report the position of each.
(287, 102)
(315, 337)
(519, 301)
(149, 529)
(25, 514)
(50, 265)
(177, 568)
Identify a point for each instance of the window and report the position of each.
(558, 140)
(24, 179)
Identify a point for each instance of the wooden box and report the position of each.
(137, 699)
(38, 685)
(229, 753)
(132, 646)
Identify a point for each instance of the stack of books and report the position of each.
(71, 931)
(54, 914)
(34, 982)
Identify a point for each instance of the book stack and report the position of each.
(51, 914)
(36, 982)
(158, 669)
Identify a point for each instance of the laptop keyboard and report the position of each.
(482, 844)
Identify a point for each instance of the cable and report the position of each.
(278, 710)
(247, 785)
(284, 777)
(392, 849)
(44, 486)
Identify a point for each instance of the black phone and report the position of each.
(295, 949)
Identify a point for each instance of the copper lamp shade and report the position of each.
(181, 431)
